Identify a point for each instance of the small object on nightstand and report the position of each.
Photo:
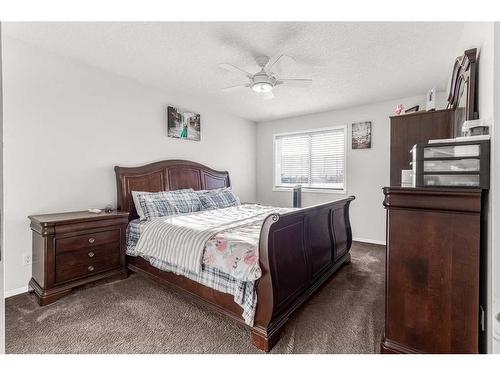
(76, 248)
(95, 210)
(108, 209)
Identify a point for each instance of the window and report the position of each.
(313, 159)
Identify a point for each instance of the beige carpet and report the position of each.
(137, 315)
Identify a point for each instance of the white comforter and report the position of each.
(225, 239)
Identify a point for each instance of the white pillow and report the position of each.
(135, 197)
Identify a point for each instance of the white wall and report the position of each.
(66, 125)
(367, 170)
(2, 247)
(481, 35)
(495, 204)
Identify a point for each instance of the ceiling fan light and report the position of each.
(262, 87)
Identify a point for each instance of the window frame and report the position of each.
(312, 189)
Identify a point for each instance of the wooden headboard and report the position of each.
(162, 176)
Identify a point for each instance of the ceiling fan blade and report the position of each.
(297, 82)
(267, 95)
(234, 68)
(237, 87)
(272, 63)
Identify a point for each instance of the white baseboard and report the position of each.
(375, 242)
(15, 292)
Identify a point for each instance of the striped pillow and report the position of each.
(218, 198)
(165, 203)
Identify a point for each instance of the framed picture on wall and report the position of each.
(362, 135)
(183, 124)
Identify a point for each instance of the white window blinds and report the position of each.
(313, 159)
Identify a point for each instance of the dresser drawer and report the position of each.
(86, 262)
(87, 240)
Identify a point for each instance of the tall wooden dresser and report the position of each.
(418, 127)
(433, 270)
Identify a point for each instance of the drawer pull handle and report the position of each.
(91, 240)
(91, 268)
(91, 254)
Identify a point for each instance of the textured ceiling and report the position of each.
(350, 63)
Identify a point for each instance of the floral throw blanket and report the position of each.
(226, 239)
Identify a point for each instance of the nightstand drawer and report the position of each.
(87, 240)
(86, 262)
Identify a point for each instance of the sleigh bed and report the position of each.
(298, 250)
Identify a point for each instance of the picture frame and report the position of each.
(183, 124)
(361, 135)
(413, 109)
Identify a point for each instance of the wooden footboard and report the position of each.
(298, 252)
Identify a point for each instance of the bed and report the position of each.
(298, 250)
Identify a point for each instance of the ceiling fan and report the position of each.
(265, 80)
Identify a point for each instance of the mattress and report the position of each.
(230, 260)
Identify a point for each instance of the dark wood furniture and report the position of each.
(75, 248)
(412, 128)
(463, 86)
(433, 270)
(298, 251)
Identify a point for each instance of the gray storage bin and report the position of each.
(435, 151)
(460, 165)
(452, 164)
(451, 180)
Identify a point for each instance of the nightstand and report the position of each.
(75, 248)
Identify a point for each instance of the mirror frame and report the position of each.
(463, 81)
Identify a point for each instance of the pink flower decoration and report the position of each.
(250, 259)
(221, 245)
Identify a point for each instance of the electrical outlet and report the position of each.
(27, 259)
